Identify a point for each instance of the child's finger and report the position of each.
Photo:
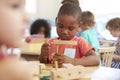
(60, 61)
(46, 52)
(45, 45)
(59, 54)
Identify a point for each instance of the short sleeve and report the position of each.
(85, 36)
(84, 46)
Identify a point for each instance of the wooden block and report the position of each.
(85, 79)
(34, 65)
(67, 65)
(38, 40)
(106, 49)
(67, 73)
(64, 42)
(35, 47)
(31, 48)
(41, 67)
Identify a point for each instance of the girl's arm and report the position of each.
(116, 58)
(43, 58)
(90, 59)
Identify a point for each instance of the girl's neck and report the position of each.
(86, 28)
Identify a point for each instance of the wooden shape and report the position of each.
(67, 73)
(64, 42)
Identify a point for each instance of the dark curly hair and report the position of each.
(71, 1)
(38, 24)
(70, 9)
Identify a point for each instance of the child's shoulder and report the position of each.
(52, 39)
(88, 30)
(79, 39)
(75, 38)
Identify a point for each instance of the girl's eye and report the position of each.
(15, 6)
(60, 26)
(71, 28)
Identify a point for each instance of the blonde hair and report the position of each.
(87, 18)
(113, 24)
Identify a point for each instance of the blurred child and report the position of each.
(68, 23)
(39, 28)
(114, 27)
(88, 33)
(13, 21)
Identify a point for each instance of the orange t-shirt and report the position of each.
(82, 47)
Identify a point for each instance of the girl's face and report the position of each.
(115, 33)
(13, 21)
(82, 26)
(67, 26)
(42, 31)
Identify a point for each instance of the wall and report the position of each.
(48, 8)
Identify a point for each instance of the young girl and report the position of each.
(39, 28)
(114, 27)
(68, 23)
(13, 21)
(88, 33)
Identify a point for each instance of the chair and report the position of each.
(106, 55)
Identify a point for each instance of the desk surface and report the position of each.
(95, 73)
(105, 73)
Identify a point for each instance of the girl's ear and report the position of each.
(56, 21)
(94, 23)
(79, 28)
(80, 24)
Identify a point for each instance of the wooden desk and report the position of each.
(93, 73)
(30, 57)
(31, 51)
(88, 71)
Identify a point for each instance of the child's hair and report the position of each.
(113, 24)
(71, 1)
(35, 27)
(87, 18)
(70, 9)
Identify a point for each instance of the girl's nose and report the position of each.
(65, 31)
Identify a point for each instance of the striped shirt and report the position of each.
(117, 52)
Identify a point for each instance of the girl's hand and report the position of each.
(45, 50)
(63, 59)
(28, 39)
